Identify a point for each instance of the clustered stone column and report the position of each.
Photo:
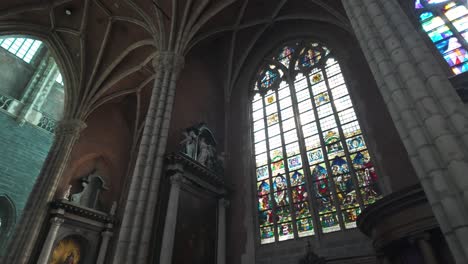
(139, 208)
(170, 222)
(36, 209)
(56, 222)
(428, 114)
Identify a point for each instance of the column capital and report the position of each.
(177, 179)
(107, 234)
(168, 61)
(224, 202)
(57, 221)
(70, 127)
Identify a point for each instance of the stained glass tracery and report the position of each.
(446, 24)
(313, 170)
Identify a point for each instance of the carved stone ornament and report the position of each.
(92, 185)
(199, 144)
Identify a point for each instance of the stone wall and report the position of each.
(24, 149)
(14, 74)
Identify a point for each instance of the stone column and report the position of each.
(170, 222)
(428, 114)
(56, 222)
(425, 248)
(106, 236)
(221, 250)
(139, 207)
(36, 209)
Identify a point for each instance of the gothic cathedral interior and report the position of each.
(234, 131)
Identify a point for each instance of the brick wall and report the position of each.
(23, 151)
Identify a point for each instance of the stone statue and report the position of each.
(66, 194)
(89, 196)
(113, 208)
(204, 153)
(190, 142)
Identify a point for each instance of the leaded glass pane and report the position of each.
(314, 99)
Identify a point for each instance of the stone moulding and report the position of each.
(399, 215)
(200, 170)
(82, 211)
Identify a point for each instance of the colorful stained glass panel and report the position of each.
(331, 136)
(440, 33)
(299, 194)
(305, 227)
(315, 156)
(325, 205)
(285, 231)
(279, 183)
(350, 217)
(265, 218)
(339, 166)
(335, 150)
(267, 235)
(277, 167)
(281, 198)
(456, 57)
(262, 172)
(264, 203)
(295, 163)
(356, 143)
(361, 160)
(297, 177)
(263, 187)
(276, 154)
(283, 214)
(302, 210)
(329, 223)
(344, 183)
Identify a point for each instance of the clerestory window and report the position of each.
(23, 48)
(313, 170)
(446, 24)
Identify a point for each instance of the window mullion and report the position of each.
(286, 169)
(352, 171)
(325, 156)
(305, 163)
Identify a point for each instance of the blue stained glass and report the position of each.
(440, 33)
(442, 46)
(426, 15)
(460, 68)
(456, 57)
(431, 2)
(418, 5)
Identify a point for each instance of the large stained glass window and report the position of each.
(313, 170)
(446, 24)
(24, 48)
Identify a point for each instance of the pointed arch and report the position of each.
(314, 172)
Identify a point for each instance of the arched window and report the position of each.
(446, 24)
(24, 48)
(313, 169)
